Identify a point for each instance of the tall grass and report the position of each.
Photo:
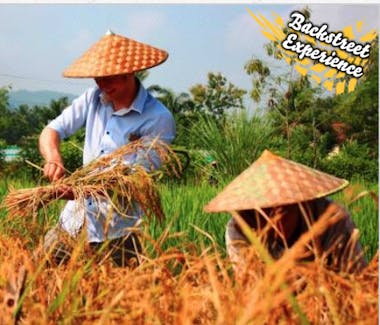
(189, 281)
(186, 223)
(234, 144)
(30, 230)
(361, 200)
(183, 206)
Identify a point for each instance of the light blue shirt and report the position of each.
(107, 130)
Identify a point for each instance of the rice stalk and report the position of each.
(106, 177)
(202, 292)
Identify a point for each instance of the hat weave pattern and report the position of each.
(114, 55)
(274, 181)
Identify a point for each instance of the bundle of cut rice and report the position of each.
(111, 176)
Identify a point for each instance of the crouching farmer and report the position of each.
(279, 200)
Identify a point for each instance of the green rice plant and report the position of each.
(32, 231)
(183, 207)
(234, 143)
(185, 219)
(361, 200)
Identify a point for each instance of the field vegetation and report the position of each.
(185, 276)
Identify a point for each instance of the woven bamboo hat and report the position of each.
(274, 181)
(114, 55)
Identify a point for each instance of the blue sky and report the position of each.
(39, 40)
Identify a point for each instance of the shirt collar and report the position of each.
(137, 105)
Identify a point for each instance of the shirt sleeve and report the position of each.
(72, 117)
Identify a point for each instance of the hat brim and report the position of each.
(273, 181)
(115, 55)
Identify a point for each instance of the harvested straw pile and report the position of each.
(108, 177)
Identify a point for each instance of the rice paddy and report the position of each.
(185, 276)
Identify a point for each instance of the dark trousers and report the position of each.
(124, 251)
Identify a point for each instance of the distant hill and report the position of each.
(31, 98)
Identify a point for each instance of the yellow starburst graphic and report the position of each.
(330, 78)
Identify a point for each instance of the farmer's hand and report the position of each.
(64, 193)
(54, 170)
(49, 143)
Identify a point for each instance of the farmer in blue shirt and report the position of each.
(118, 110)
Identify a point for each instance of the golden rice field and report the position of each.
(180, 286)
(189, 282)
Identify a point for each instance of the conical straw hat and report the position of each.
(274, 181)
(114, 55)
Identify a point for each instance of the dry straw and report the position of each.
(181, 287)
(108, 177)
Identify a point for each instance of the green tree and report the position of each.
(4, 98)
(24, 121)
(142, 75)
(311, 123)
(359, 110)
(291, 106)
(182, 107)
(44, 114)
(291, 103)
(4, 112)
(259, 72)
(176, 103)
(217, 97)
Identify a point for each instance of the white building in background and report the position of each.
(11, 153)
